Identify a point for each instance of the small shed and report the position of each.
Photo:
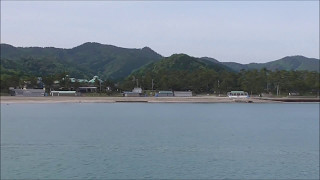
(164, 94)
(183, 93)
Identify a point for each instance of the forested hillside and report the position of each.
(83, 61)
(182, 72)
(294, 63)
(129, 67)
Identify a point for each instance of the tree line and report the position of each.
(209, 81)
(199, 81)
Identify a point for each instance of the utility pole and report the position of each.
(219, 86)
(152, 84)
(137, 82)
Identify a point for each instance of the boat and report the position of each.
(238, 94)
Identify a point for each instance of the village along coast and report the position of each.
(146, 76)
(195, 99)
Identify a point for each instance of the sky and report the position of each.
(243, 32)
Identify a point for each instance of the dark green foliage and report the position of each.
(182, 72)
(178, 72)
(84, 61)
(288, 63)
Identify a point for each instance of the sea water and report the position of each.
(166, 141)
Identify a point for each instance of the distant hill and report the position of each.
(182, 62)
(108, 61)
(177, 72)
(287, 63)
(85, 60)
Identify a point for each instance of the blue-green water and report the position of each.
(167, 141)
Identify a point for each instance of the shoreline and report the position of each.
(195, 99)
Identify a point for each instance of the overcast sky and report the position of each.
(247, 31)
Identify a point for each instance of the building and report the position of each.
(82, 80)
(73, 80)
(182, 93)
(137, 90)
(164, 94)
(63, 93)
(294, 94)
(87, 89)
(27, 92)
(237, 94)
(131, 94)
(93, 80)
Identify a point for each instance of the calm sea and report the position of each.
(167, 141)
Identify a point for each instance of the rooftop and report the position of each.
(165, 92)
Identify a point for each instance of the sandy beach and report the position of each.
(79, 99)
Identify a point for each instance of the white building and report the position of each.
(137, 90)
(63, 93)
(93, 80)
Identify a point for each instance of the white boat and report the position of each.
(237, 94)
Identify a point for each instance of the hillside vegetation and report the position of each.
(125, 68)
(202, 75)
(177, 72)
(83, 61)
(294, 63)
(182, 72)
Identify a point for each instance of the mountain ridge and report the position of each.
(87, 59)
(112, 62)
(297, 62)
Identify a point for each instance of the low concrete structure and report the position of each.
(238, 94)
(131, 94)
(182, 93)
(63, 93)
(164, 94)
(294, 94)
(27, 92)
(136, 92)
